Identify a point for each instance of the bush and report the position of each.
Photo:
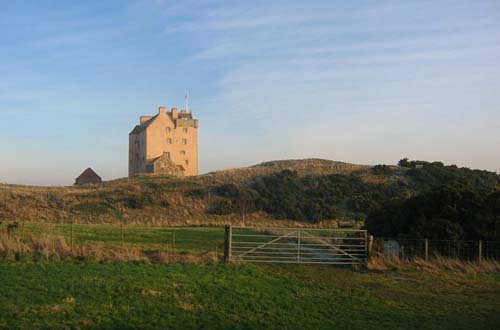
(135, 202)
(227, 191)
(196, 193)
(404, 162)
(164, 203)
(381, 169)
(448, 212)
(222, 207)
(93, 208)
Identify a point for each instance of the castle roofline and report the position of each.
(139, 128)
(180, 118)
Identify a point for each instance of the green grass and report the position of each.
(74, 295)
(185, 239)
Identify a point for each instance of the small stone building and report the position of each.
(88, 177)
(164, 165)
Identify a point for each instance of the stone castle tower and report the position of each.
(165, 144)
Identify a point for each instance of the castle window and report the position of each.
(168, 129)
(185, 130)
(183, 152)
(184, 141)
(167, 154)
(169, 141)
(187, 162)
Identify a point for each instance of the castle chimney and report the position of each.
(161, 109)
(175, 113)
(145, 119)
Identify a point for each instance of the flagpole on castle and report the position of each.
(187, 102)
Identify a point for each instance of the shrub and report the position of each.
(196, 193)
(227, 191)
(91, 207)
(381, 169)
(448, 212)
(136, 201)
(222, 207)
(164, 203)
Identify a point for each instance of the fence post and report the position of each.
(228, 243)
(71, 236)
(480, 255)
(426, 248)
(121, 232)
(22, 231)
(298, 245)
(369, 247)
(173, 241)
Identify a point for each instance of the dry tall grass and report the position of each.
(165, 201)
(44, 247)
(433, 265)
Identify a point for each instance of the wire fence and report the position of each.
(405, 248)
(297, 245)
(170, 240)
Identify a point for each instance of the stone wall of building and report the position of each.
(173, 133)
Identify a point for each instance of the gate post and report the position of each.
(228, 238)
(480, 252)
(426, 249)
(369, 247)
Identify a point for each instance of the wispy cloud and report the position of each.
(362, 81)
(285, 65)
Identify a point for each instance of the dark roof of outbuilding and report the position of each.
(88, 174)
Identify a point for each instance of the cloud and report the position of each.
(355, 92)
(364, 81)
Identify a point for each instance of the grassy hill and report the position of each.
(303, 167)
(153, 200)
(307, 191)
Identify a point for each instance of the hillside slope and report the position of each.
(312, 166)
(153, 200)
(310, 190)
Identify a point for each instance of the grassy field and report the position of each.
(71, 295)
(55, 241)
(68, 293)
(184, 239)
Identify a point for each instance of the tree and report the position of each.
(404, 162)
(246, 201)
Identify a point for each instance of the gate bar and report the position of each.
(261, 246)
(335, 248)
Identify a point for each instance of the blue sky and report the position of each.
(357, 81)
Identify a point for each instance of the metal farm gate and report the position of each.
(296, 245)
